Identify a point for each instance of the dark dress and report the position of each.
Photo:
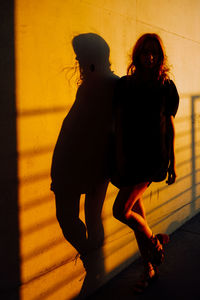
(143, 113)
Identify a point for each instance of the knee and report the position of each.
(125, 216)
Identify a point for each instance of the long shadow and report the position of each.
(81, 159)
(9, 229)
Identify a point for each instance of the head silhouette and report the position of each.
(92, 53)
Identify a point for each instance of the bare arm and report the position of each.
(171, 178)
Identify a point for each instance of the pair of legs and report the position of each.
(82, 236)
(129, 209)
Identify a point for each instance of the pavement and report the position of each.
(179, 274)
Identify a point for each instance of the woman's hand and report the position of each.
(171, 174)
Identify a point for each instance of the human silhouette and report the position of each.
(146, 102)
(81, 158)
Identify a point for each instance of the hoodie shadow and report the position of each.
(82, 156)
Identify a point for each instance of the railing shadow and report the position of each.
(192, 148)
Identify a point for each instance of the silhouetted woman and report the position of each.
(146, 103)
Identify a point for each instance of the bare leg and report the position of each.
(126, 210)
(129, 209)
(150, 271)
(141, 239)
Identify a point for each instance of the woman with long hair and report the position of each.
(146, 102)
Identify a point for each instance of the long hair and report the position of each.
(162, 69)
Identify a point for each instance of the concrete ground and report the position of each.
(179, 275)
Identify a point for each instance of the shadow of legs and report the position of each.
(86, 239)
(67, 212)
(93, 209)
(94, 261)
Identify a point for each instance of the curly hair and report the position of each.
(162, 69)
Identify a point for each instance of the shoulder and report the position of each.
(170, 85)
(123, 80)
(171, 90)
(122, 91)
(172, 97)
(121, 83)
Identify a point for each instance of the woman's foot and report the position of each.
(163, 238)
(149, 276)
(156, 249)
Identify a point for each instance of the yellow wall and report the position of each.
(43, 34)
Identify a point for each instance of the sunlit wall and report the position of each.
(45, 91)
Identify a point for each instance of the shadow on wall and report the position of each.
(9, 230)
(81, 158)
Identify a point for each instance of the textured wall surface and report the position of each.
(45, 91)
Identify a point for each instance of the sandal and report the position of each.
(149, 276)
(163, 238)
(156, 248)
